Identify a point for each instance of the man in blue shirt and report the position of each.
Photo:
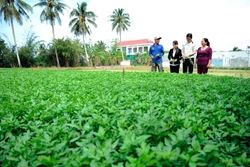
(156, 52)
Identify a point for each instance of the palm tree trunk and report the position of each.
(121, 45)
(90, 62)
(57, 59)
(67, 62)
(14, 36)
(85, 48)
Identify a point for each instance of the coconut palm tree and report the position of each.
(51, 13)
(120, 22)
(14, 10)
(80, 24)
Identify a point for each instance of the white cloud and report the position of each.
(224, 22)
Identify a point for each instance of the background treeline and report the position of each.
(35, 53)
(65, 52)
(61, 51)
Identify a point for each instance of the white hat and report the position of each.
(157, 38)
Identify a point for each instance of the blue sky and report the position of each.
(225, 23)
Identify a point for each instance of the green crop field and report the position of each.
(76, 118)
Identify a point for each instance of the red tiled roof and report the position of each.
(135, 42)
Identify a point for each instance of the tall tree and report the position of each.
(101, 55)
(31, 41)
(80, 24)
(236, 49)
(100, 45)
(69, 50)
(120, 22)
(14, 10)
(51, 13)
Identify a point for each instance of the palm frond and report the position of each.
(120, 20)
(52, 10)
(84, 19)
(74, 12)
(73, 21)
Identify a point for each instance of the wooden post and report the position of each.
(123, 73)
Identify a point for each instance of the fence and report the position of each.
(223, 59)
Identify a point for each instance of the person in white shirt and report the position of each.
(188, 52)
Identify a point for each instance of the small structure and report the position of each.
(224, 59)
(230, 59)
(135, 46)
(125, 63)
(248, 53)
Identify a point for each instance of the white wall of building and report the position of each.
(133, 49)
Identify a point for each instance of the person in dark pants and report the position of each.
(174, 57)
(156, 52)
(204, 56)
(188, 52)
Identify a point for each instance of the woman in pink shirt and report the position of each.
(204, 56)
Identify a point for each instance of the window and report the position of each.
(124, 49)
(145, 49)
(129, 50)
(140, 49)
(134, 50)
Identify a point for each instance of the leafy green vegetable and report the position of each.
(96, 118)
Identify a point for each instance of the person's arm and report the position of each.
(150, 52)
(209, 63)
(161, 51)
(194, 51)
(197, 56)
(210, 51)
(180, 55)
(191, 54)
(169, 55)
(182, 52)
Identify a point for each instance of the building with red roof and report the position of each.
(135, 46)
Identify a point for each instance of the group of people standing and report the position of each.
(186, 55)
